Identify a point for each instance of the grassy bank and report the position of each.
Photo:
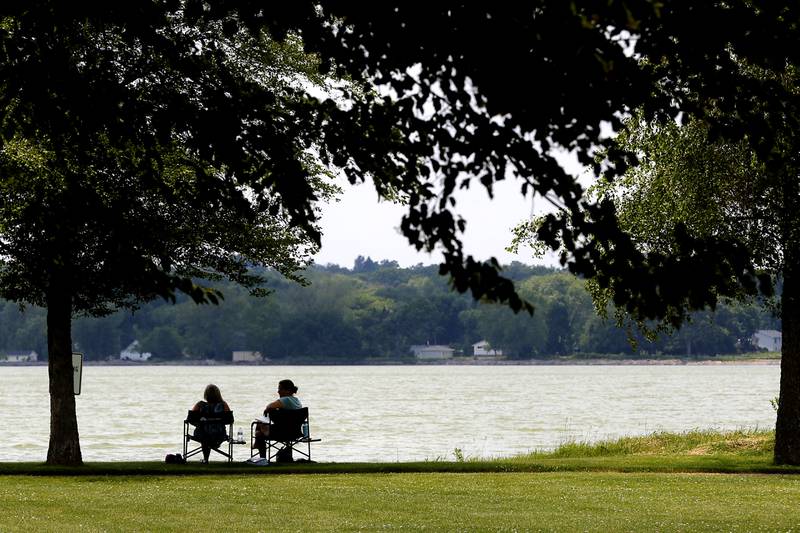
(741, 443)
(659, 482)
(746, 451)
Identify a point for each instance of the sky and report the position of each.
(358, 224)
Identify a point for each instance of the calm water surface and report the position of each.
(394, 413)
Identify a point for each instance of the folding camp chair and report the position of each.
(199, 420)
(286, 435)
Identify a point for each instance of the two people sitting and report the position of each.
(213, 435)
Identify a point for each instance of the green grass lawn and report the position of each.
(598, 501)
(661, 482)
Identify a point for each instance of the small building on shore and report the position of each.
(768, 339)
(432, 351)
(484, 349)
(134, 353)
(246, 356)
(27, 356)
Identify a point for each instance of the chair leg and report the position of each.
(230, 442)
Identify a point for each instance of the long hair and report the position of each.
(212, 394)
(287, 384)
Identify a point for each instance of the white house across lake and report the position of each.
(483, 348)
(20, 357)
(432, 351)
(246, 356)
(134, 353)
(769, 339)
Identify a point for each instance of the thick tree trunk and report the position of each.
(65, 448)
(787, 426)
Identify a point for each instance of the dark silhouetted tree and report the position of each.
(145, 147)
(438, 98)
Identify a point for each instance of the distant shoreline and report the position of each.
(447, 362)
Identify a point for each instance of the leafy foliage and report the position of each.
(145, 148)
(157, 175)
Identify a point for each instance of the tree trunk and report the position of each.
(65, 448)
(787, 427)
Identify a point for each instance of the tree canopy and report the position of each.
(139, 153)
(692, 183)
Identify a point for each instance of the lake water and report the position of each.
(394, 413)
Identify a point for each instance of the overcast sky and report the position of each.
(358, 224)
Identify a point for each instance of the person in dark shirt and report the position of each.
(210, 435)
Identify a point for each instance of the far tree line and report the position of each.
(378, 310)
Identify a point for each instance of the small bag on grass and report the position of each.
(174, 459)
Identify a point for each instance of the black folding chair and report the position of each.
(198, 420)
(286, 435)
